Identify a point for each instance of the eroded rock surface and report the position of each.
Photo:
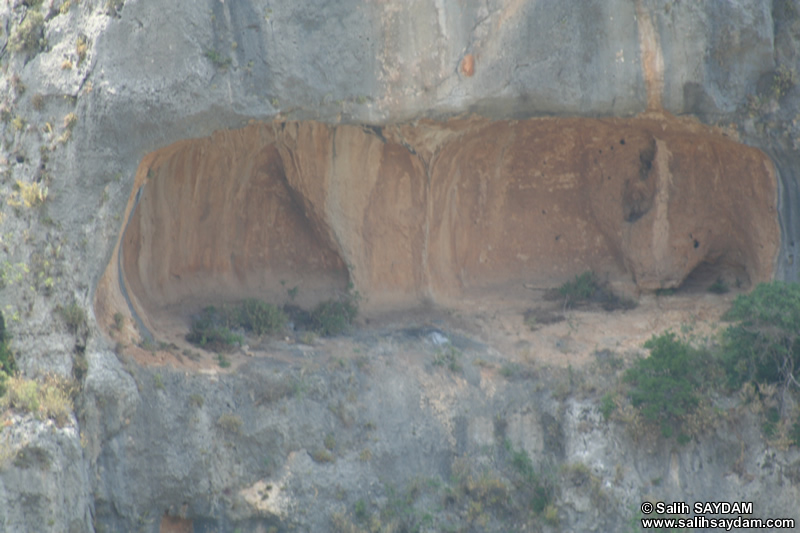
(435, 210)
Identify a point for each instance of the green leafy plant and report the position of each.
(207, 331)
(666, 384)
(607, 405)
(217, 59)
(539, 490)
(582, 288)
(8, 365)
(763, 343)
(261, 318)
(333, 317)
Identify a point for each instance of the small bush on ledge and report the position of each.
(667, 385)
(333, 317)
(587, 289)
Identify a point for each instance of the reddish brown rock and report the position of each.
(435, 210)
(468, 65)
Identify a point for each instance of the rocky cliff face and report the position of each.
(428, 152)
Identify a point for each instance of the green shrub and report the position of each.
(223, 361)
(330, 442)
(119, 321)
(217, 59)
(763, 345)
(212, 327)
(73, 315)
(666, 384)
(582, 288)
(206, 331)
(538, 490)
(333, 317)
(586, 288)
(27, 37)
(783, 81)
(7, 364)
(607, 405)
(261, 318)
(719, 287)
(230, 423)
(322, 456)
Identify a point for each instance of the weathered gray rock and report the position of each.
(44, 482)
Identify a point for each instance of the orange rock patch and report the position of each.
(436, 211)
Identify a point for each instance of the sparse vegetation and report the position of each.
(7, 363)
(230, 423)
(27, 194)
(582, 288)
(720, 286)
(217, 59)
(70, 120)
(27, 37)
(37, 101)
(196, 400)
(322, 456)
(113, 7)
(119, 321)
(535, 318)
(783, 80)
(586, 289)
(81, 48)
(16, 83)
(51, 398)
(18, 123)
(449, 356)
(292, 293)
(73, 316)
